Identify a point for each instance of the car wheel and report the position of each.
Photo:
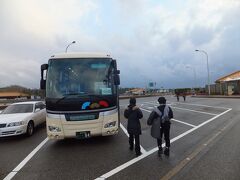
(30, 128)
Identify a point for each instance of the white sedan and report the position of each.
(22, 118)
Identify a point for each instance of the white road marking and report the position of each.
(24, 162)
(125, 131)
(202, 112)
(133, 161)
(174, 171)
(185, 109)
(183, 122)
(145, 110)
(119, 168)
(10, 175)
(216, 107)
(172, 119)
(203, 105)
(100, 178)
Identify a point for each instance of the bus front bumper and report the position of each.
(73, 133)
(59, 128)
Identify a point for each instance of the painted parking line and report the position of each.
(202, 112)
(172, 119)
(192, 104)
(217, 107)
(24, 162)
(183, 122)
(133, 161)
(185, 109)
(190, 157)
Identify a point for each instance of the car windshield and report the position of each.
(85, 76)
(18, 108)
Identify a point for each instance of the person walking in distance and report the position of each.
(133, 114)
(184, 96)
(159, 119)
(177, 95)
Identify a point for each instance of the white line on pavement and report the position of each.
(24, 162)
(216, 107)
(133, 161)
(172, 119)
(183, 122)
(185, 109)
(203, 105)
(212, 114)
(145, 110)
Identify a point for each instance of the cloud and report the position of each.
(32, 33)
(152, 40)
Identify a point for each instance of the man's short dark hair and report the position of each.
(162, 100)
(132, 101)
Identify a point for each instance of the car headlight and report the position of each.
(54, 129)
(15, 124)
(109, 125)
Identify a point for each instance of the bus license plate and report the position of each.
(83, 135)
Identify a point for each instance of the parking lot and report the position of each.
(197, 127)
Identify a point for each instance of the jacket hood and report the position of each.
(133, 107)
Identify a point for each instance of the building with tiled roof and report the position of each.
(228, 85)
(13, 95)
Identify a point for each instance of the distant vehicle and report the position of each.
(81, 95)
(22, 118)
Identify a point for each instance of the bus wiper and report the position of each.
(77, 95)
(99, 95)
(69, 95)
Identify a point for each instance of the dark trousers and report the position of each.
(137, 142)
(165, 130)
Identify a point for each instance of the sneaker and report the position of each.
(160, 151)
(166, 151)
(138, 154)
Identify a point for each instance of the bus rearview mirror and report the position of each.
(43, 84)
(44, 67)
(116, 79)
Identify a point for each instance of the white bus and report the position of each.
(81, 95)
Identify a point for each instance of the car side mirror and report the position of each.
(37, 109)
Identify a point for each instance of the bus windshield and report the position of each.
(79, 76)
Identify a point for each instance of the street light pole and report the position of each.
(195, 76)
(207, 69)
(69, 45)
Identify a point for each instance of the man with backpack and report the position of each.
(159, 119)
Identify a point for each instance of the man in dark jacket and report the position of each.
(165, 113)
(133, 114)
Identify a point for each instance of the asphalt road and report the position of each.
(204, 145)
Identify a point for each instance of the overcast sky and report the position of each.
(152, 40)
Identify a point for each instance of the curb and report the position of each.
(226, 97)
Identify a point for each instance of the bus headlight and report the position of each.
(109, 125)
(54, 129)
